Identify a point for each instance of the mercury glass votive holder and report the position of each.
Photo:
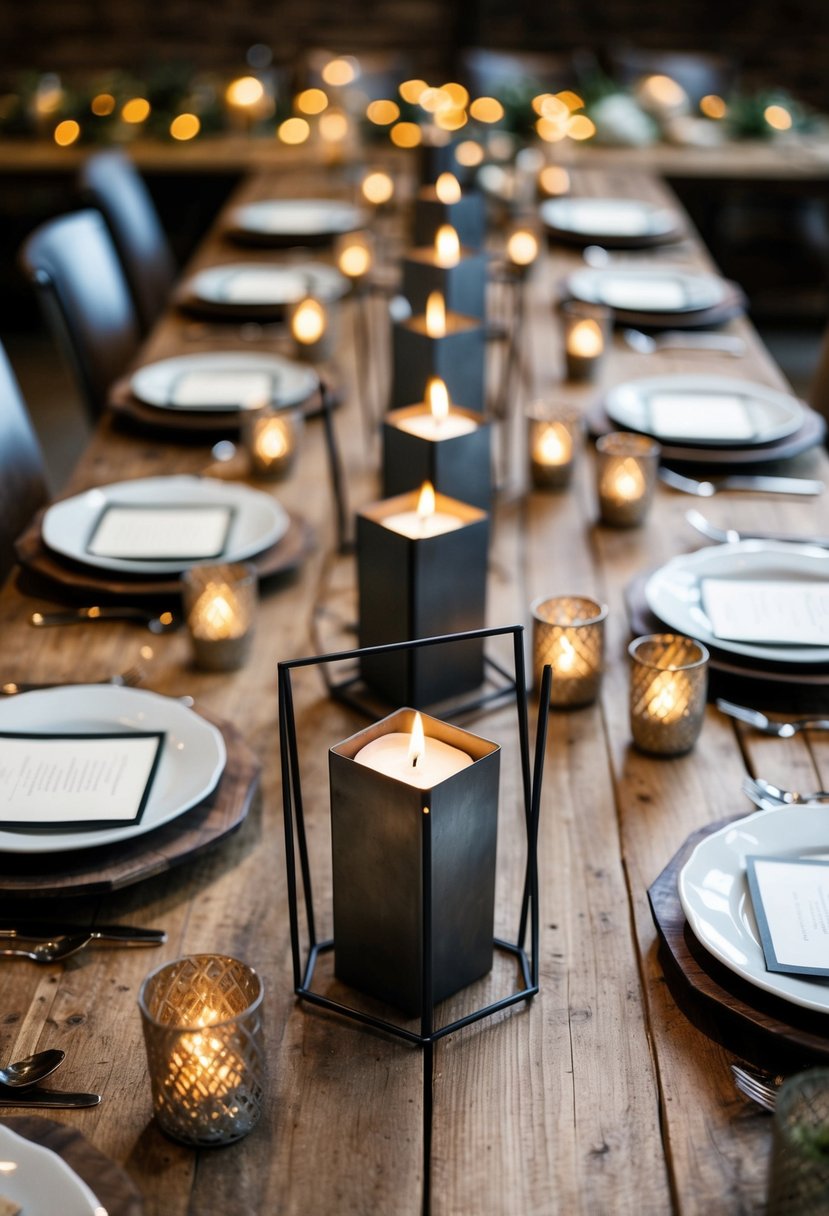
(554, 437)
(668, 684)
(202, 1022)
(568, 633)
(586, 332)
(626, 474)
(799, 1171)
(220, 611)
(272, 438)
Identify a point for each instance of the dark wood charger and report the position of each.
(111, 1185)
(752, 1008)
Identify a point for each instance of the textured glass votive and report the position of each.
(554, 437)
(272, 438)
(799, 1176)
(202, 1021)
(626, 471)
(220, 610)
(586, 333)
(568, 633)
(668, 683)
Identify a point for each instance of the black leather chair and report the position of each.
(22, 474)
(110, 182)
(86, 298)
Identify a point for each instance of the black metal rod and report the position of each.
(542, 722)
(302, 842)
(356, 1015)
(412, 644)
(524, 735)
(426, 1011)
(362, 362)
(428, 1111)
(335, 470)
(287, 805)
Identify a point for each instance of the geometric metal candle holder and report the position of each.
(457, 464)
(568, 634)
(467, 216)
(668, 685)
(306, 954)
(456, 357)
(462, 285)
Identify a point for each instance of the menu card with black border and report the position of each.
(790, 897)
(161, 531)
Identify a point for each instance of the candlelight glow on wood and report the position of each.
(626, 471)
(568, 634)
(586, 332)
(447, 247)
(668, 684)
(554, 435)
(219, 607)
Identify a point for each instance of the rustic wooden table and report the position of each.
(602, 1095)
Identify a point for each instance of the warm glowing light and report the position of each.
(136, 110)
(383, 112)
(554, 446)
(448, 189)
(553, 107)
(435, 315)
(246, 91)
(102, 104)
(437, 395)
(406, 135)
(338, 72)
(456, 93)
(486, 109)
(522, 247)
(8, 1167)
(551, 130)
(668, 697)
(311, 101)
(417, 744)
(215, 614)
(713, 106)
(554, 180)
(272, 441)
(426, 501)
(309, 321)
(355, 258)
(564, 655)
(377, 187)
(431, 100)
(625, 481)
(334, 126)
(412, 90)
(571, 100)
(451, 119)
(469, 153)
(293, 131)
(778, 117)
(539, 100)
(185, 126)
(586, 339)
(581, 127)
(447, 247)
(67, 132)
(662, 91)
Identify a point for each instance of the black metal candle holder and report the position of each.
(463, 286)
(467, 216)
(305, 956)
(460, 465)
(457, 357)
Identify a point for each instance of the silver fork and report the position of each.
(763, 792)
(764, 1093)
(730, 535)
(130, 678)
(782, 730)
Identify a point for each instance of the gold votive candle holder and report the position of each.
(626, 473)
(554, 437)
(220, 611)
(272, 438)
(586, 334)
(668, 685)
(568, 633)
(202, 1022)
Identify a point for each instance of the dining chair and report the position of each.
(86, 299)
(23, 487)
(111, 182)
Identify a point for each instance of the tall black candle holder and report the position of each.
(306, 955)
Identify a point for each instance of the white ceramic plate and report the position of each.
(268, 285)
(657, 290)
(155, 383)
(192, 759)
(674, 591)
(766, 414)
(715, 897)
(297, 217)
(258, 521)
(611, 217)
(42, 1184)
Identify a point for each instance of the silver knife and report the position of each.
(32, 930)
(755, 482)
(52, 1099)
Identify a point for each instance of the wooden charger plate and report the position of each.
(751, 1007)
(110, 1184)
(111, 867)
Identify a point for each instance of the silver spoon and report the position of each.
(52, 951)
(32, 1069)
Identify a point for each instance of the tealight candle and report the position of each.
(310, 329)
(586, 332)
(458, 274)
(355, 255)
(424, 520)
(441, 343)
(446, 203)
(272, 440)
(668, 685)
(220, 607)
(554, 437)
(202, 1025)
(522, 250)
(626, 471)
(568, 634)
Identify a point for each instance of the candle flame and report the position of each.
(272, 440)
(555, 445)
(522, 247)
(586, 339)
(218, 617)
(309, 321)
(355, 259)
(417, 745)
(448, 189)
(668, 697)
(377, 187)
(566, 656)
(436, 315)
(447, 247)
(426, 501)
(437, 395)
(629, 482)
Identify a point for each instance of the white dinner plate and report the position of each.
(686, 409)
(269, 285)
(716, 900)
(674, 592)
(655, 290)
(258, 521)
(155, 383)
(608, 217)
(41, 1182)
(297, 217)
(192, 758)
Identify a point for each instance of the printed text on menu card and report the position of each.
(790, 897)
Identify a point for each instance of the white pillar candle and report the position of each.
(425, 521)
(419, 760)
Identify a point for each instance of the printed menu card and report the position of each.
(790, 897)
(187, 532)
(768, 611)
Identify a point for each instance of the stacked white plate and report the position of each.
(655, 291)
(296, 218)
(250, 285)
(226, 381)
(609, 221)
(40, 1182)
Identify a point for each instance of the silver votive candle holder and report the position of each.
(626, 474)
(568, 634)
(554, 438)
(220, 611)
(668, 685)
(272, 438)
(799, 1171)
(586, 334)
(202, 1022)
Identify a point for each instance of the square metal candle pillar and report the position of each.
(454, 352)
(421, 578)
(453, 453)
(467, 216)
(463, 286)
(413, 860)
